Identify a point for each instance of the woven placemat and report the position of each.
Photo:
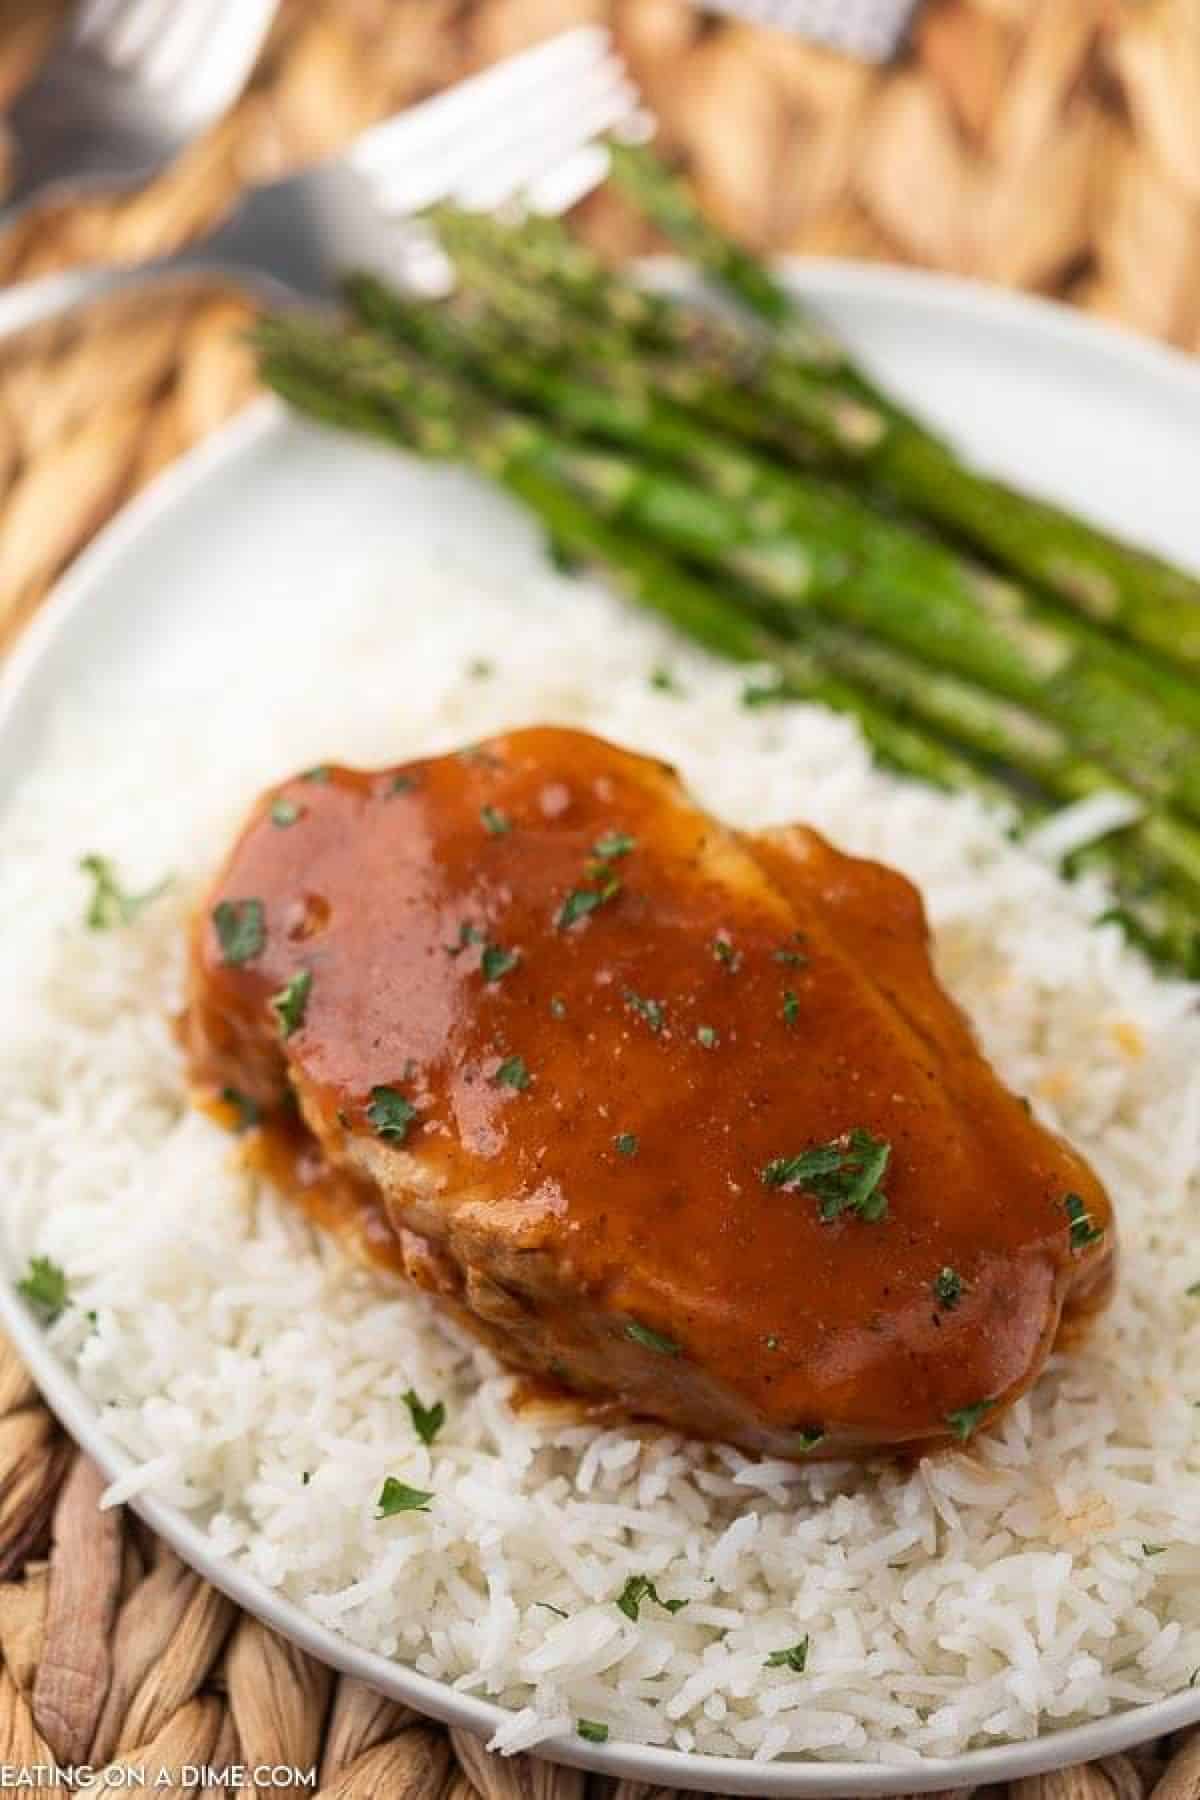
(1050, 144)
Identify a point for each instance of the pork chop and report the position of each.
(674, 1114)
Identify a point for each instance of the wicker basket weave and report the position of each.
(1051, 145)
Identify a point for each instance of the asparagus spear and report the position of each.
(1129, 590)
(684, 391)
(803, 542)
(357, 384)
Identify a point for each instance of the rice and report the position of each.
(256, 1378)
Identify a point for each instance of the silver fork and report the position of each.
(529, 126)
(127, 85)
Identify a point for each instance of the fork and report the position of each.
(528, 126)
(127, 85)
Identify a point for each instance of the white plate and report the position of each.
(270, 518)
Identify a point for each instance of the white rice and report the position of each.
(977, 1597)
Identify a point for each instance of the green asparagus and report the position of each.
(1128, 590)
(805, 542)
(360, 385)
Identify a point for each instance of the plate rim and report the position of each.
(819, 279)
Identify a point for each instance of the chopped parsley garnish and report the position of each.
(390, 1114)
(110, 905)
(763, 693)
(291, 1002)
(241, 929)
(1083, 1230)
(706, 1036)
(651, 1340)
(479, 668)
(808, 1440)
(650, 1010)
(790, 1008)
(1193, 1293)
(639, 1588)
(284, 813)
(305, 1477)
(662, 679)
(247, 1110)
(496, 961)
(495, 822)
(725, 953)
(795, 1658)
(1153, 1549)
(556, 1610)
(792, 959)
(397, 1497)
(626, 1143)
(948, 1288)
(512, 1073)
(319, 773)
(45, 1288)
(963, 1422)
(427, 1420)
(558, 1007)
(582, 901)
(842, 1176)
(468, 934)
(402, 784)
(592, 1730)
(613, 845)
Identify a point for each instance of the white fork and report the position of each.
(528, 126)
(127, 85)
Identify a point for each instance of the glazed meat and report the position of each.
(676, 1116)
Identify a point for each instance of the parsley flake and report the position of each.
(790, 1008)
(638, 1589)
(582, 901)
(613, 845)
(725, 953)
(397, 1497)
(626, 1143)
(468, 934)
(495, 822)
(496, 962)
(284, 813)
(110, 905)
(241, 929)
(556, 1610)
(390, 1114)
(45, 1288)
(1153, 1549)
(402, 783)
(427, 1420)
(948, 1288)
(706, 1036)
(650, 1010)
(1083, 1230)
(808, 1440)
(592, 1730)
(1193, 1293)
(792, 959)
(842, 1176)
(247, 1110)
(963, 1422)
(663, 681)
(318, 773)
(512, 1073)
(651, 1340)
(291, 1002)
(795, 1658)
